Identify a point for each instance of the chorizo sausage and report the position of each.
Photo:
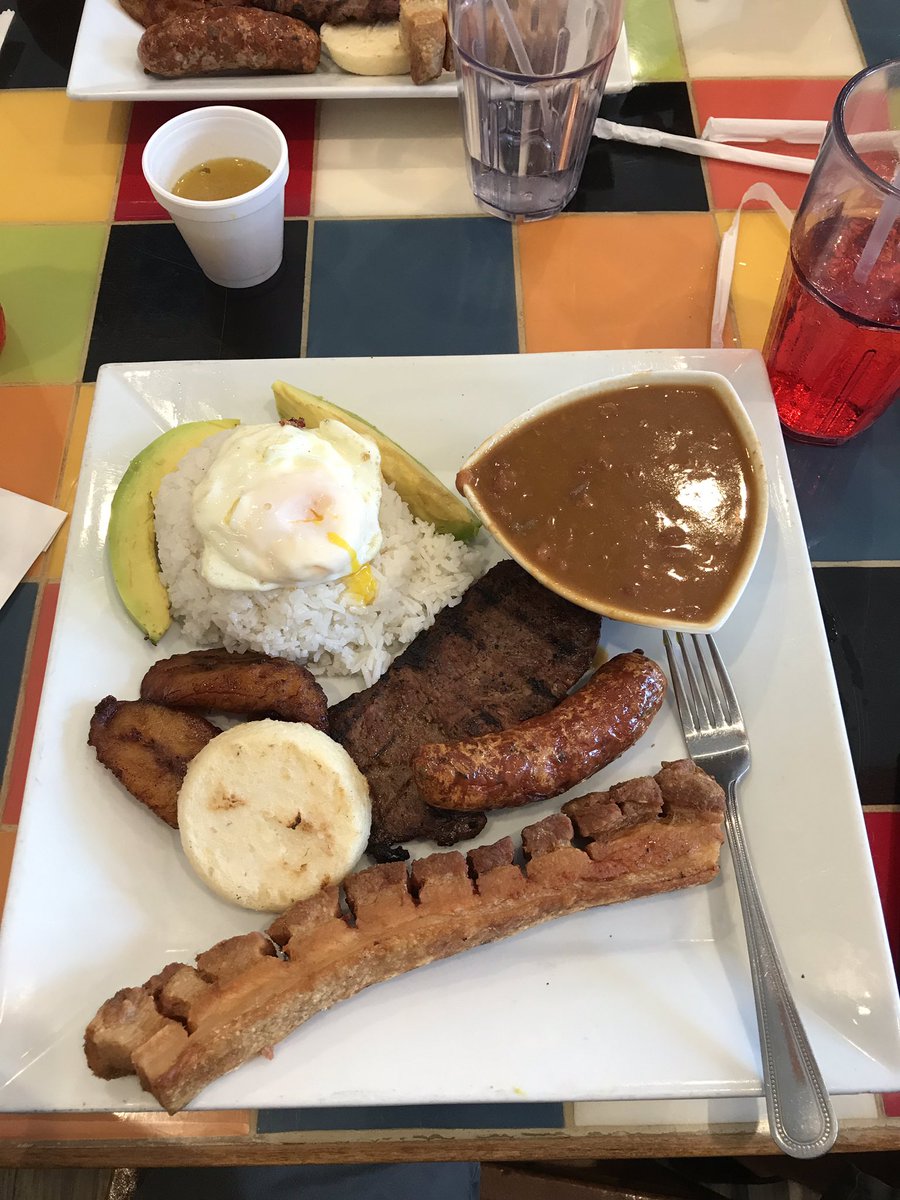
(228, 39)
(549, 754)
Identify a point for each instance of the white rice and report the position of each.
(418, 572)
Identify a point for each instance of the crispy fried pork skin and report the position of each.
(148, 747)
(188, 1026)
(508, 651)
(549, 754)
(250, 683)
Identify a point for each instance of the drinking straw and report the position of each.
(890, 211)
(511, 29)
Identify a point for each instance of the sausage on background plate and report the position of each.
(150, 12)
(211, 40)
(549, 754)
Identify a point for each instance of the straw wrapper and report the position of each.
(641, 136)
(728, 248)
(756, 129)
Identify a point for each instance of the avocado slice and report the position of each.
(423, 492)
(132, 537)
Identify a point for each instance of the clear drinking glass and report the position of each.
(833, 346)
(531, 75)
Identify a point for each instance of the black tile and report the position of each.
(15, 627)
(619, 177)
(156, 304)
(414, 1116)
(877, 27)
(860, 606)
(37, 52)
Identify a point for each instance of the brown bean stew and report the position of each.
(635, 499)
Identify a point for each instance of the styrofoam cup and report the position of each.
(237, 242)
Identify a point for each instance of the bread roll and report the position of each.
(366, 49)
(423, 32)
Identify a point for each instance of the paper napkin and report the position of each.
(26, 528)
(5, 21)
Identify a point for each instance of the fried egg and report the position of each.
(286, 507)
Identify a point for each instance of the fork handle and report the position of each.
(801, 1118)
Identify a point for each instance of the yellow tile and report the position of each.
(761, 249)
(69, 482)
(60, 159)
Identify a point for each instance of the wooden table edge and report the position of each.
(285, 1149)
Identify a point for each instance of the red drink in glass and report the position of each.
(833, 351)
(833, 346)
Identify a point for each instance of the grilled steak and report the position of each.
(508, 651)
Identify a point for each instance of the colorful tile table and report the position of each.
(386, 253)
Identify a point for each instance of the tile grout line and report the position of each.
(848, 15)
(862, 562)
(57, 495)
(86, 343)
(20, 699)
(121, 167)
(307, 287)
(710, 199)
(518, 290)
(310, 234)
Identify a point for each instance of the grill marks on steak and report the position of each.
(510, 650)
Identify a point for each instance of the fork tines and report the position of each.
(704, 703)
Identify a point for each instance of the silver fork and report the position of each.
(801, 1118)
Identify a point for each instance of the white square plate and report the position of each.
(105, 67)
(647, 999)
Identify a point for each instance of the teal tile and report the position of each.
(849, 495)
(877, 27)
(15, 626)
(407, 287)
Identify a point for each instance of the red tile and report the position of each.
(30, 703)
(295, 118)
(884, 841)
(790, 99)
(891, 1104)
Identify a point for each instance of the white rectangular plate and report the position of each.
(647, 999)
(105, 67)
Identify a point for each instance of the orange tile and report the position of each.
(35, 424)
(68, 485)
(611, 281)
(7, 844)
(34, 682)
(790, 99)
(134, 1126)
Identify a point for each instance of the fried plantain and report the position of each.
(148, 747)
(248, 683)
